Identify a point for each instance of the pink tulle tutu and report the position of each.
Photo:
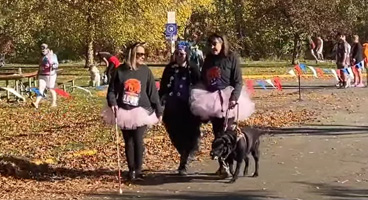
(207, 104)
(129, 119)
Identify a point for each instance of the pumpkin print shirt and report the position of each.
(219, 72)
(133, 88)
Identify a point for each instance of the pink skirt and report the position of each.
(207, 104)
(129, 119)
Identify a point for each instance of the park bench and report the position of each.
(65, 82)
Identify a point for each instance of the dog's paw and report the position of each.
(255, 175)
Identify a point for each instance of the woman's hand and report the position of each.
(114, 109)
(160, 120)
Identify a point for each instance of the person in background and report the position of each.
(196, 55)
(357, 61)
(319, 49)
(220, 96)
(47, 75)
(312, 47)
(111, 62)
(348, 64)
(182, 126)
(133, 98)
(365, 53)
(342, 55)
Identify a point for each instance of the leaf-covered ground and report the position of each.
(68, 152)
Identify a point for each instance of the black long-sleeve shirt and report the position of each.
(219, 72)
(132, 88)
(176, 81)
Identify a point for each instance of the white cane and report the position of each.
(118, 151)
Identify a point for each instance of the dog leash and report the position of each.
(226, 120)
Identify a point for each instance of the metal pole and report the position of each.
(300, 94)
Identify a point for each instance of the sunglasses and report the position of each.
(140, 54)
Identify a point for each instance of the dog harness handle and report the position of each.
(226, 121)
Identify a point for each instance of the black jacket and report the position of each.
(132, 88)
(176, 82)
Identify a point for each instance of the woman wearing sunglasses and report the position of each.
(133, 98)
(220, 95)
(182, 126)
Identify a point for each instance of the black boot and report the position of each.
(182, 170)
(131, 175)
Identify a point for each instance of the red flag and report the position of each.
(277, 82)
(250, 86)
(298, 69)
(320, 72)
(62, 93)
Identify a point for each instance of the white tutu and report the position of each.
(207, 104)
(129, 119)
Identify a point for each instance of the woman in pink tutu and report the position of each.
(221, 90)
(133, 98)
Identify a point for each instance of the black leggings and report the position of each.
(134, 148)
(218, 125)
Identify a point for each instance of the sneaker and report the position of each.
(361, 85)
(182, 172)
(53, 105)
(139, 177)
(130, 175)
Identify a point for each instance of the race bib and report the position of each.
(131, 99)
(132, 90)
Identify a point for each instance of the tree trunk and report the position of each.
(296, 49)
(240, 24)
(91, 28)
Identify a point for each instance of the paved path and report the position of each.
(327, 159)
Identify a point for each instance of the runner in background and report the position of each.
(319, 49)
(47, 74)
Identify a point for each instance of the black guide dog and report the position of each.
(236, 144)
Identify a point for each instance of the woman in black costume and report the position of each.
(182, 126)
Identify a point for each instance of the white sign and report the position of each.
(170, 17)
